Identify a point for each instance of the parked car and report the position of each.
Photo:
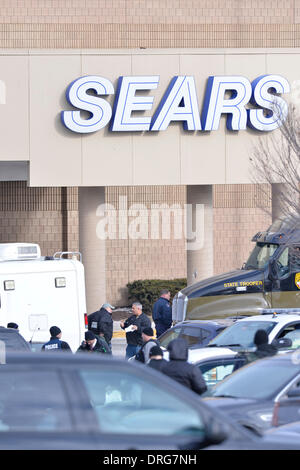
(65, 401)
(197, 333)
(241, 334)
(253, 393)
(13, 340)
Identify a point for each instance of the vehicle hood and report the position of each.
(246, 411)
(226, 283)
(225, 403)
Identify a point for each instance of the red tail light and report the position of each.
(86, 323)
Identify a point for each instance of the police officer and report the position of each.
(162, 313)
(94, 344)
(101, 322)
(55, 343)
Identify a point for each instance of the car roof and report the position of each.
(196, 355)
(277, 318)
(13, 338)
(65, 358)
(199, 354)
(200, 323)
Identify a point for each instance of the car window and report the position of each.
(32, 401)
(125, 403)
(215, 371)
(192, 335)
(205, 333)
(242, 332)
(291, 331)
(283, 263)
(168, 336)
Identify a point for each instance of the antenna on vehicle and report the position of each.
(36, 327)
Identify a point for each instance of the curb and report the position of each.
(119, 334)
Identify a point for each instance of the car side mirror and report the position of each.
(282, 343)
(273, 270)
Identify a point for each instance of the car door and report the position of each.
(287, 404)
(35, 411)
(133, 408)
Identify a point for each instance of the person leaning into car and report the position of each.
(133, 326)
(177, 368)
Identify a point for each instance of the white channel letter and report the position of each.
(263, 95)
(126, 102)
(99, 108)
(215, 102)
(2, 92)
(179, 103)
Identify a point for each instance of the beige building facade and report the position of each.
(54, 183)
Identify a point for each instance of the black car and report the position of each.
(74, 401)
(13, 340)
(198, 333)
(261, 394)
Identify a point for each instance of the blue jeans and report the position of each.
(131, 350)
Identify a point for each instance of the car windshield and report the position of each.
(258, 380)
(241, 333)
(260, 255)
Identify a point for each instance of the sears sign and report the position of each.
(256, 105)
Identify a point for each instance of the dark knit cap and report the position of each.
(89, 335)
(54, 331)
(156, 351)
(12, 325)
(260, 337)
(148, 331)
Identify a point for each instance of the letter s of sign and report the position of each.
(99, 108)
(263, 95)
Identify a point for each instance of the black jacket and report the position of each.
(101, 346)
(157, 364)
(101, 322)
(162, 315)
(56, 344)
(135, 337)
(180, 370)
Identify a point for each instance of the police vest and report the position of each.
(52, 345)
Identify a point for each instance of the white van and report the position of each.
(39, 292)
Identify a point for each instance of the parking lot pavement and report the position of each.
(118, 341)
